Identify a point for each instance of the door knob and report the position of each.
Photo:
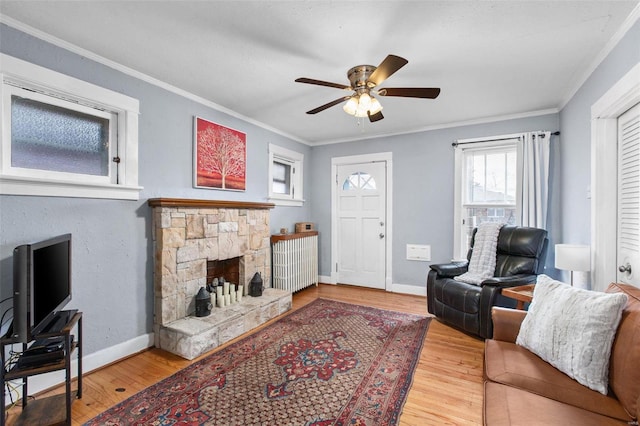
(625, 268)
(381, 235)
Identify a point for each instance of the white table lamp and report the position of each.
(573, 257)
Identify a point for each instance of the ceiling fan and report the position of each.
(364, 79)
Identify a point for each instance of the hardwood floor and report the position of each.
(446, 389)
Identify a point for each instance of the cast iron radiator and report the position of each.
(295, 260)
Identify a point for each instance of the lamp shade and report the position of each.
(375, 106)
(573, 257)
(351, 106)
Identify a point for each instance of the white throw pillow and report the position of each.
(573, 330)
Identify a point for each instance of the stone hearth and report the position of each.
(192, 336)
(187, 234)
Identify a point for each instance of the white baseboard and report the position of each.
(89, 362)
(325, 279)
(394, 288)
(117, 352)
(409, 289)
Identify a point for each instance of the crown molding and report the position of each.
(483, 120)
(137, 74)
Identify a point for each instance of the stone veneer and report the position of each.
(187, 233)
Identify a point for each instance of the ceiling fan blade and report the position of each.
(375, 117)
(411, 92)
(322, 83)
(387, 67)
(328, 105)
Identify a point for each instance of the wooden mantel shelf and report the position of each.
(216, 204)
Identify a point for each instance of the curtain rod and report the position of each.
(456, 143)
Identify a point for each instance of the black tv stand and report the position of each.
(43, 356)
(58, 322)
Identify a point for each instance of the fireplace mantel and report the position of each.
(213, 204)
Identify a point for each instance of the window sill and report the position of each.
(286, 202)
(12, 185)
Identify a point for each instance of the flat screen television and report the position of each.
(41, 285)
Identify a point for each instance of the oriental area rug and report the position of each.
(327, 363)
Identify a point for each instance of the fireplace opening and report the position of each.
(229, 269)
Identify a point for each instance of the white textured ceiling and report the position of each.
(490, 58)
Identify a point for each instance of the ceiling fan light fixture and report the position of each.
(364, 101)
(351, 106)
(362, 105)
(375, 106)
(360, 113)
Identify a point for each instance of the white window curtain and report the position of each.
(535, 179)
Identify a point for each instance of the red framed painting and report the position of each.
(219, 156)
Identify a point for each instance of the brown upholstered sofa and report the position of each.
(522, 389)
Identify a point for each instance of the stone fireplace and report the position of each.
(193, 238)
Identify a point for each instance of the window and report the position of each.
(285, 176)
(65, 137)
(359, 180)
(487, 186)
(282, 171)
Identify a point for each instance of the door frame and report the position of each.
(386, 157)
(623, 95)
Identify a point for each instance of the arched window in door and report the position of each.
(359, 180)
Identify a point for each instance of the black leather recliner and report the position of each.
(520, 257)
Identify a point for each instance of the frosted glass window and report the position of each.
(49, 137)
(64, 137)
(281, 178)
(359, 180)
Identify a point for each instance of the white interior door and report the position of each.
(629, 197)
(361, 224)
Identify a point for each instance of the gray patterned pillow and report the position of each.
(573, 330)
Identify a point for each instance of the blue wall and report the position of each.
(575, 119)
(423, 172)
(112, 246)
(113, 281)
(423, 175)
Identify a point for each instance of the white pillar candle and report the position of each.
(226, 288)
(233, 297)
(239, 294)
(227, 300)
(219, 298)
(240, 291)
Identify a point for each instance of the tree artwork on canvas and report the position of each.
(220, 157)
